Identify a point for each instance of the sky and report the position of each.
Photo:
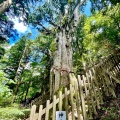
(24, 29)
(87, 8)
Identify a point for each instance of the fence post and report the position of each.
(82, 98)
(60, 101)
(32, 114)
(66, 103)
(98, 87)
(88, 97)
(47, 110)
(40, 112)
(72, 103)
(92, 94)
(77, 100)
(54, 107)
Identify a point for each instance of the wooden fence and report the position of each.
(82, 99)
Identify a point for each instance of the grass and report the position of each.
(12, 113)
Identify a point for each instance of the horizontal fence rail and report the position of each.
(85, 96)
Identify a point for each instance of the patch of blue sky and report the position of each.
(88, 8)
(34, 32)
(23, 30)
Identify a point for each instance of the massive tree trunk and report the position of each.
(62, 70)
(62, 65)
(5, 5)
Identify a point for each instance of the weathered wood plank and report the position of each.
(54, 107)
(60, 101)
(82, 98)
(95, 87)
(92, 93)
(66, 103)
(47, 110)
(72, 103)
(116, 79)
(77, 100)
(32, 114)
(99, 94)
(88, 100)
(40, 112)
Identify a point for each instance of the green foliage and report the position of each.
(70, 1)
(78, 46)
(53, 47)
(103, 26)
(101, 34)
(4, 17)
(111, 111)
(2, 51)
(28, 66)
(38, 73)
(14, 62)
(5, 92)
(13, 113)
(98, 5)
(96, 36)
(53, 12)
(64, 20)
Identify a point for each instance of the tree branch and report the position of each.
(79, 4)
(52, 23)
(47, 30)
(43, 27)
(5, 5)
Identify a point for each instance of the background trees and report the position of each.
(102, 33)
(98, 5)
(14, 8)
(26, 66)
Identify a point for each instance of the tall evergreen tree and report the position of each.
(64, 16)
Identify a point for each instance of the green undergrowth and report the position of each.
(13, 113)
(110, 110)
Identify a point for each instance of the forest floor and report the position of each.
(110, 110)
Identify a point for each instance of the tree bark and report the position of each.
(5, 5)
(27, 90)
(62, 64)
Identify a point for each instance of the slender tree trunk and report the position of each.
(19, 72)
(15, 92)
(27, 90)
